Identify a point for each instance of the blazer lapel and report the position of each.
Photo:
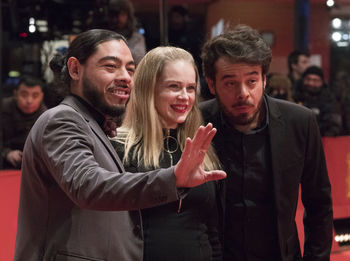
(278, 140)
(80, 108)
(103, 137)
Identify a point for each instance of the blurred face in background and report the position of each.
(312, 83)
(175, 93)
(119, 19)
(177, 21)
(279, 93)
(28, 98)
(302, 65)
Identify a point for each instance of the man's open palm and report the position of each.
(189, 171)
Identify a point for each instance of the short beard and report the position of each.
(242, 119)
(96, 99)
(313, 91)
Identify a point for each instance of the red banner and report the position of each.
(337, 151)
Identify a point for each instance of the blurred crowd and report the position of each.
(305, 84)
(26, 97)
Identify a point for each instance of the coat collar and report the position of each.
(275, 113)
(95, 127)
(279, 141)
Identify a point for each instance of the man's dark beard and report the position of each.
(96, 98)
(312, 90)
(242, 119)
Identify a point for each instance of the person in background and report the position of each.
(122, 20)
(340, 87)
(298, 62)
(315, 94)
(162, 112)
(19, 113)
(279, 86)
(268, 148)
(76, 200)
(182, 33)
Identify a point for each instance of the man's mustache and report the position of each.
(246, 103)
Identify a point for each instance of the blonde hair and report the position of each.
(142, 128)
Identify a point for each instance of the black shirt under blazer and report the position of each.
(297, 159)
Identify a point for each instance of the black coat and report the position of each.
(15, 127)
(297, 159)
(326, 109)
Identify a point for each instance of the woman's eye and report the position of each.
(173, 86)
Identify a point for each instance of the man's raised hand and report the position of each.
(189, 171)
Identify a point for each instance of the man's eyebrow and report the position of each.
(234, 75)
(115, 59)
(252, 73)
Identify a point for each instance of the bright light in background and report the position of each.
(336, 23)
(342, 44)
(142, 30)
(14, 74)
(32, 28)
(342, 238)
(340, 32)
(336, 36)
(31, 20)
(330, 3)
(42, 26)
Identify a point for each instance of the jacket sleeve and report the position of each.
(316, 198)
(75, 158)
(214, 227)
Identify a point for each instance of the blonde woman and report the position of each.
(161, 114)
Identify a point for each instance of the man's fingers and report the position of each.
(214, 175)
(202, 132)
(201, 141)
(187, 149)
(13, 163)
(207, 129)
(199, 134)
(208, 140)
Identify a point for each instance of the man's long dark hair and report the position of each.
(82, 47)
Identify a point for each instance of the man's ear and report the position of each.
(293, 66)
(264, 82)
(211, 85)
(74, 68)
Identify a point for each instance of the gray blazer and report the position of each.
(75, 197)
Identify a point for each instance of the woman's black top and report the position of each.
(180, 232)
